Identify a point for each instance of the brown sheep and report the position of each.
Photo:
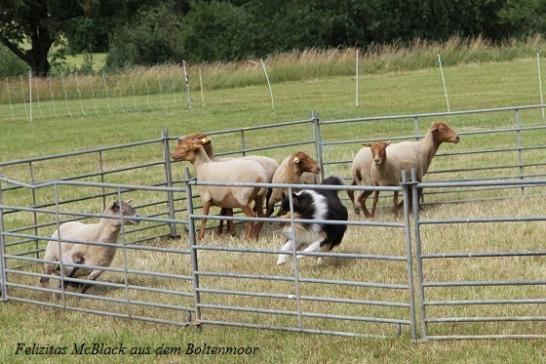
(233, 171)
(269, 165)
(410, 154)
(290, 171)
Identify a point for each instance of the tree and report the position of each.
(29, 28)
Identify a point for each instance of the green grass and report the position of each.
(470, 86)
(99, 60)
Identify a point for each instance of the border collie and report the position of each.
(313, 205)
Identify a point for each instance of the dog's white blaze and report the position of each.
(321, 209)
(306, 237)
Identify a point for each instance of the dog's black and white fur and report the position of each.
(314, 205)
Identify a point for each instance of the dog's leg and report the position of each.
(287, 247)
(313, 247)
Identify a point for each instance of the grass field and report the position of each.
(470, 86)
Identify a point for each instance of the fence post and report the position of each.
(416, 128)
(443, 82)
(518, 142)
(34, 214)
(243, 142)
(187, 83)
(357, 89)
(295, 268)
(169, 181)
(540, 85)
(318, 142)
(3, 286)
(417, 232)
(193, 244)
(30, 95)
(268, 84)
(406, 185)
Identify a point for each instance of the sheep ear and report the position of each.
(367, 145)
(129, 201)
(114, 204)
(388, 142)
(297, 159)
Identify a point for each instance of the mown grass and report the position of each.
(470, 86)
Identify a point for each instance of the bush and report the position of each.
(217, 31)
(10, 64)
(153, 37)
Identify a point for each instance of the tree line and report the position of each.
(147, 32)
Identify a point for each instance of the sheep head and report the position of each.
(442, 133)
(304, 163)
(379, 152)
(187, 149)
(202, 138)
(122, 208)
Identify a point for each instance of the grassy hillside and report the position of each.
(113, 121)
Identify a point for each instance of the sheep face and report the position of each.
(304, 163)
(443, 133)
(201, 138)
(123, 208)
(379, 152)
(187, 149)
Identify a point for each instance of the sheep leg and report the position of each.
(206, 208)
(362, 201)
(287, 247)
(269, 209)
(220, 229)
(95, 273)
(375, 199)
(351, 194)
(48, 269)
(231, 223)
(258, 208)
(395, 202)
(249, 234)
(77, 258)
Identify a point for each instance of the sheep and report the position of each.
(269, 164)
(105, 231)
(385, 171)
(413, 154)
(290, 171)
(232, 171)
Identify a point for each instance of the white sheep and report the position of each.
(105, 231)
(290, 170)
(230, 171)
(412, 154)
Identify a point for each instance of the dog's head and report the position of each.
(302, 203)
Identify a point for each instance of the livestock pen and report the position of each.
(427, 275)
